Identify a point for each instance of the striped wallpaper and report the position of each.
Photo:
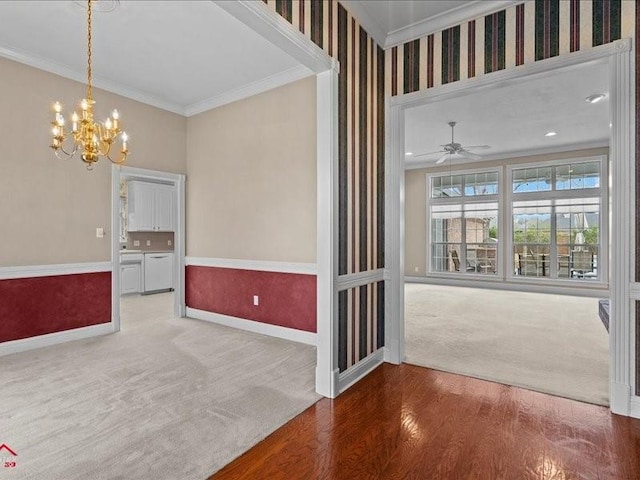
(360, 164)
(517, 35)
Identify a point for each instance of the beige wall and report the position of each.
(251, 186)
(50, 208)
(416, 201)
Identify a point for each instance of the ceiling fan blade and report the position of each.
(477, 147)
(469, 155)
(442, 158)
(425, 154)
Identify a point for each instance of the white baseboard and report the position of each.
(360, 370)
(255, 265)
(24, 344)
(292, 334)
(634, 407)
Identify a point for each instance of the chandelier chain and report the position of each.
(89, 86)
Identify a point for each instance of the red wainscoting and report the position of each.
(40, 305)
(286, 299)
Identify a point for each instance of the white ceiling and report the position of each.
(392, 22)
(513, 119)
(183, 56)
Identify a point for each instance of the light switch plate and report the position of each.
(256, 300)
(99, 232)
(148, 243)
(136, 243)
(169, 242)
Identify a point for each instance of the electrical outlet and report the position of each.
(136, 243)
(256, 300)
(416, 270)
(169, 242)
(148, 243)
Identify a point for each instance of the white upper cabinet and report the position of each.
(151, 207)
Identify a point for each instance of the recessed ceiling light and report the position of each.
(595, 98)
(550, 134)
(408, 154)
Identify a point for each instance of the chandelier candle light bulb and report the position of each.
(93, 139)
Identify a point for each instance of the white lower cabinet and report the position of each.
(130, 278)
(158, 271)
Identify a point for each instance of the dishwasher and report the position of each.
(158, 272)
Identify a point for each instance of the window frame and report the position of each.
(462, 200)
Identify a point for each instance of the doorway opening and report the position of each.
(148, 251)
(508, 276)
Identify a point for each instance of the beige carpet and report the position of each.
(548, 343)
(166, 398)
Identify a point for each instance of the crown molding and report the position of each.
(282, 78)
(369, 24)
(72, 74)
(447, 19)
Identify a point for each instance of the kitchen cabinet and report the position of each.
(158, 271)
(130, 273)
(130, 276)
(150, 207)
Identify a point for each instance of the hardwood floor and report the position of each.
(408, 422)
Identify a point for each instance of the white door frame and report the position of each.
(119, 173)
(284, 35)
(624, 291)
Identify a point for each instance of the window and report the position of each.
(556, 227)
(464, 223)
(554, 216)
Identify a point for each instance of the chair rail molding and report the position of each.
(622, 148)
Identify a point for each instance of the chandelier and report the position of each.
(93, 139)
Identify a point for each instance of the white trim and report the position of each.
(634, 407)
(622, 147)
(277, 80)
(622, 151)
(277, 331)
(32, 271)
(327, 233)
(255, 265)
(634, 291)
(274, 28)
(510, 76)
(24, 344)
(360, 370)
(510, 155)
(454, 16)
(79, 76)
(499, 284)
(353, 280)
(394, 233)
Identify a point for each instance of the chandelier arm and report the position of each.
(120, 161)
(68, 155)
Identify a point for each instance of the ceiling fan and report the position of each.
(454, 148)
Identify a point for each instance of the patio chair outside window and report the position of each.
(581, 264)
